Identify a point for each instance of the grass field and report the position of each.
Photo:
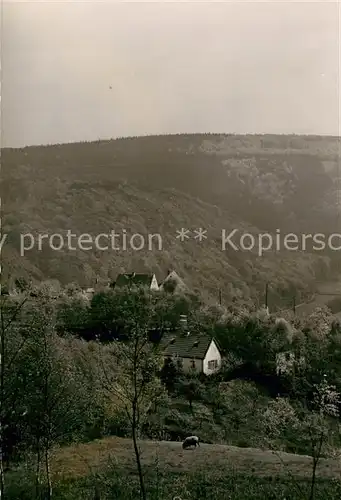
(105, 469)
(78, 460)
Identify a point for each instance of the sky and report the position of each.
(75, 71)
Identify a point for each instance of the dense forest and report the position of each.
(162, 184)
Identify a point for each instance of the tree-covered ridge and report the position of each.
(163, 183)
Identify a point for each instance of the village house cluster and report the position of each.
(192, 351)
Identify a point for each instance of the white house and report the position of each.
(192, 351)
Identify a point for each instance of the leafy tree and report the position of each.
(135, 385)
(311, 429)
(108, 318)
(73, 315)
(255, 340)
(317, 428)
(191, 388)
(54, 397)
(169, 375)
(11, 345)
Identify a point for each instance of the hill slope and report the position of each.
(77, 459)
(165, 183)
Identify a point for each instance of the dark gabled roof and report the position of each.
(190, 346)
(137, 279)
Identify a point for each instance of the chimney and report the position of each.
(183, 324)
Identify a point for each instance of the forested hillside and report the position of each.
(161, 184)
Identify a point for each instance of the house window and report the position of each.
(193, 364)
(213, 364)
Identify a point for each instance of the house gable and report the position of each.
(212, 360)
(173, 277)
(154, 284)
(137, 279)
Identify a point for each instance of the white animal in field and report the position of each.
(190, 441)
